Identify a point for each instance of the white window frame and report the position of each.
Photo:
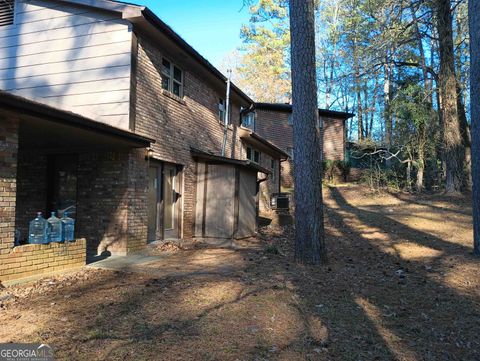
(222, 110)
(171, 78)
(252, 154)
(251, 119)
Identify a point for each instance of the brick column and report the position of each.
(8, 181)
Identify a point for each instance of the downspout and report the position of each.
(227, 113)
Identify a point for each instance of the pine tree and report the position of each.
(309, 221)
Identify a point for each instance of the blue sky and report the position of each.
(212, 27)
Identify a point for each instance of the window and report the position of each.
(7, 12)
(253, 155)
(248, 119)
(221, 110)
(290, 152)
(290, 119)
(172, 78)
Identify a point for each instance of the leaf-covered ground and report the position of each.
(401, 284)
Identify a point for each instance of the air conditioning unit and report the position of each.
(280, 201)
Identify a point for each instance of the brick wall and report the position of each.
(111, 201)
(178, 124)
(31, 189)
(36, 259)
(111, 198)
(28, 260)
(273, 126)
(8, 184)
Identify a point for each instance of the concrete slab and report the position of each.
(182, 263)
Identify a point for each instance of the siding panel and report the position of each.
(70, 57)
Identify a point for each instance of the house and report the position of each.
(273, 122)
(107, 113)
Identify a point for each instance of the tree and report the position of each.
(263, 70)
(474, 14)
(453, 142)
(309, 222)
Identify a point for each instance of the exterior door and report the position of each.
(171, 197)
(153, 202)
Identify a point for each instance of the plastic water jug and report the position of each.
(68, 227)
(54, 229)
(37, 232)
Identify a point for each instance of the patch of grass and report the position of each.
(97, 334)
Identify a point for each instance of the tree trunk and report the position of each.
(309, 228)
(452, 137)
(474, 13)
(387, 91)
(356, 67)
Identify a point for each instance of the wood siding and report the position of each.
(71, 57)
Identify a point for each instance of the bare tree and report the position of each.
(474, 14)
(309, 228)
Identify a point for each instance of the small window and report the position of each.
(248, 119)
(290, 119)
(290, 152)
(7, 12)
(253, 155)
(172, 78)
(221, 109)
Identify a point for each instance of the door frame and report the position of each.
(178, 226)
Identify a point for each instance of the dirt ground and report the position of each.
(401, 284)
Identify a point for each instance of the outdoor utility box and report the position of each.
(280, 201)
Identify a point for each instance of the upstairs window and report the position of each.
(253, 155)
(248, 119)
(290, 152)
(7, 12)
(290, 119)
(221, 110)
(274, 170)
(172, 78)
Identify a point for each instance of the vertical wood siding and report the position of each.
(73, 58)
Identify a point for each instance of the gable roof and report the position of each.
(138, 15)
(287, 108)
(253, 138)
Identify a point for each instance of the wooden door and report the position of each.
(153, 203)
(171, 195)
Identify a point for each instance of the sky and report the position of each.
(212, 27)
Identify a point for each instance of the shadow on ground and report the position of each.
(397, 287)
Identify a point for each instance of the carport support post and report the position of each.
(8, 180)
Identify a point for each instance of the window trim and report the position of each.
(171, 77)
(252, 154)
(251, 116)
(222, 111)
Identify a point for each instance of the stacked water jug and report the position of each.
(43, 231)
